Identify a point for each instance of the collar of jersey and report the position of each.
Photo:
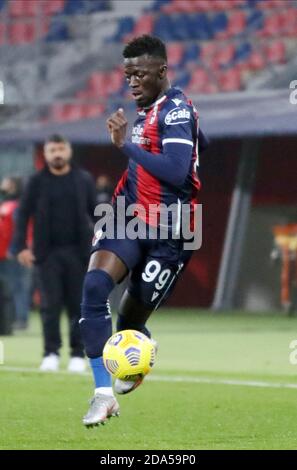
(170, 91)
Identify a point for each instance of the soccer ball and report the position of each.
(128, 355)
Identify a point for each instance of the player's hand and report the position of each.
(117, 126)
(26, 258)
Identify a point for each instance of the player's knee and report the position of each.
(97, 286)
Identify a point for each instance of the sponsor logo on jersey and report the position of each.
(177, 116)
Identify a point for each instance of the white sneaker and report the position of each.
(77, 365)
(50, 363)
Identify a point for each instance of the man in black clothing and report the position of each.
(61, 201)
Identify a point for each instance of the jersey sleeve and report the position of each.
(177, 126)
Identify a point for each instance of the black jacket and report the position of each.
(34, 203)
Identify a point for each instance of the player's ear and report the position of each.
(163, 71)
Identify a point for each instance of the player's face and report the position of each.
(57, 154)
(146, 78)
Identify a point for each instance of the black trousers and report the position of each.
(60, 279)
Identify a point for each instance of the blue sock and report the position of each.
(102, 378)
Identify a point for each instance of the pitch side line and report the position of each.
(170, 379)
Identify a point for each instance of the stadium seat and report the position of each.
(255, 21)
(229, 80)
(272, 25)
(191, 54)
(164, 28)
(224, 56)
(74, 7)
(199, 80)
(257, 61)
(207, 51)
(51, 7)
(92, 110)
(288, 22)
(2, 33)
(16, 8)
(114, 81)
(66, 112)
(236, 23)
(58, 31)
(242, 55)
(125, 26)
(21, 32)
(219, 24)
(98, 83)
(144, 25)
(200, 27)
(182, 80)
(175, 52)
(2, 3)
(276, 52)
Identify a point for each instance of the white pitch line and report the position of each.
(169, 378)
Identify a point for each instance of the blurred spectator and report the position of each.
(61, 198)
(16, 277)
(104, 189)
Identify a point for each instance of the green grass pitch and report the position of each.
(221, 381)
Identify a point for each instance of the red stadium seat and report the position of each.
(50, 7)
(208, 50)
(93, 110)
(276, 52)
(175, 51)
(288, 21)
(21, 32)
(272, 25)
(16, 7)
(222, 5)
(144, 25)
(237, 23)
(257, 61)
(179, 6)
(115, 81)
(24, 8)
(199, 81)
(2, 33)
(223, 56)
(229, 80)
(66, 112)
(98, 83)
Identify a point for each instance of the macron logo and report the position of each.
(177, 116)
(176, 101)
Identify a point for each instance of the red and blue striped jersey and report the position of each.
(171, 121)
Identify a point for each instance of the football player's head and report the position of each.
(145, 68)
(57, 152)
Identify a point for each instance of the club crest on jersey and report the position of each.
(177, 116)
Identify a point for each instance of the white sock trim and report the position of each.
(104, 391)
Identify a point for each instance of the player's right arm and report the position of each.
(25, 211)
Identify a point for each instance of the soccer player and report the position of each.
(162, 169)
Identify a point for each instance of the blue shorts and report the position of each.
(154, 265)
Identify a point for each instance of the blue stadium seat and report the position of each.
(125, 26)
(164, 28)
(191, 54)
(58, 31)
(200, 27)
(219, 23)
(255, 21)
(242, 52)
(181, 29)
(74, 7)
(157, 5)
(2, 3)
(98, 5)
(182, 80)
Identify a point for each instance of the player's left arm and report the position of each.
(170, 166)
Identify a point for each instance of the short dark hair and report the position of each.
(57, 139)
(150, 45)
